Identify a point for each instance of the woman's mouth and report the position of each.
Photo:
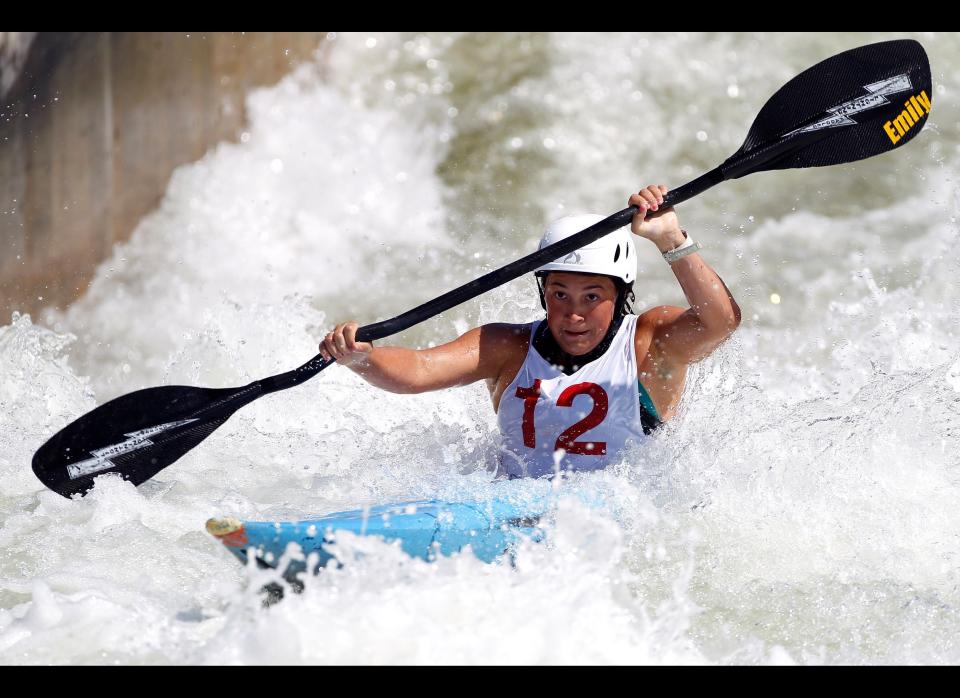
(575, 335)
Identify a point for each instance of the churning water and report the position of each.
(801, 507)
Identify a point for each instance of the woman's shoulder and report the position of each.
(508, 328)
(659, 315)
(505, 335)
(503, 346)
(649, 321)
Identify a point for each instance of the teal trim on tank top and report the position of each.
(647, 402)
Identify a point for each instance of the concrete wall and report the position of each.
(92, 130)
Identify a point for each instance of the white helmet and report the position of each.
(612, 255)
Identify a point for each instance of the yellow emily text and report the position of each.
(917, 107)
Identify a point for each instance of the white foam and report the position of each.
(799, 509)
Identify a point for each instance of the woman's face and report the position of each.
(579, 309)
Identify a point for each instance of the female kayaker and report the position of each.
(571, 392)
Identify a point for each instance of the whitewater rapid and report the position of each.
(800, 508)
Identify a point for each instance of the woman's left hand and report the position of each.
(662, 227)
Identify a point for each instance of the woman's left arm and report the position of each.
(684, 336)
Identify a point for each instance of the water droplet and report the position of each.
(244, 137)
(276, 165)
(371, 42)
(775, 298)
(701, 136)
(733, 91)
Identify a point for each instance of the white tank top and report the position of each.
(590, 415)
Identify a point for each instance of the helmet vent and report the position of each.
(616, 255)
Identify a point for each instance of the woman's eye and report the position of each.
(592, 298)
(559, 295)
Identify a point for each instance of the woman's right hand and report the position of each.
(341, 345)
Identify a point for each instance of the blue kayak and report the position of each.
(425, 529)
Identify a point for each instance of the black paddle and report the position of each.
(855, 105)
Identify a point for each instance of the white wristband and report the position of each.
(688, 247)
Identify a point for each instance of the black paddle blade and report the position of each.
(852, 106)
(135, 435)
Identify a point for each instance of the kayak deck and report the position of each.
(424, 529)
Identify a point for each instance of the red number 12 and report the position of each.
(567, 440)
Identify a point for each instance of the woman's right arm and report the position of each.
(478, 354)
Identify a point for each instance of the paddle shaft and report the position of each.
(736, 167)
(498, 277)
